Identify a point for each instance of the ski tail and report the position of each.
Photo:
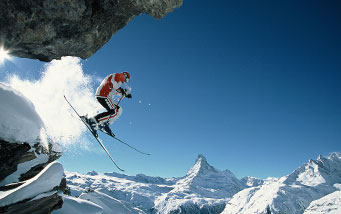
(105, 149)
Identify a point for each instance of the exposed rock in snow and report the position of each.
(42, 204)
(50, 29)
(292, 193)
(27, 180)
(144, 178)
(93, 172)
(24, 151)
(35, 194)
(252, 181)
(316, 172)
(329, 204)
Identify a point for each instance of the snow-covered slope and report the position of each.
(292, 193)
(120, 189)
(19, 121)
(45, 181)
(203, 188)
(329, 204)
(110, 204)
(77, 205)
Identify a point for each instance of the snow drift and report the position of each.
(45, 181)
(19, 121)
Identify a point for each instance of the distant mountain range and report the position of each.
(313, 186)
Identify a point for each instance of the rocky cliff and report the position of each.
(29, 176)
(50, 29)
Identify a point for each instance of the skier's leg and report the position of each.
(109, 106)
(104, 127)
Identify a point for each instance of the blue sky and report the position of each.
(252, 85)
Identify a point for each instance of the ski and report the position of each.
(121, 141)
(125, 143)
(93, 134)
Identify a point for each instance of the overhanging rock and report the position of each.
(50, 29)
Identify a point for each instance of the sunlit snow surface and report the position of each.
(43, 182)
(77, 205)
(293, 193)
(19, 121)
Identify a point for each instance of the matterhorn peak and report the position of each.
(201, 166)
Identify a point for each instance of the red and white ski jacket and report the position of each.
(109, 85)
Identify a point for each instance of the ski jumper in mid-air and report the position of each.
(110, 86)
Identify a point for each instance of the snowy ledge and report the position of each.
(45, 181)
(19, 121)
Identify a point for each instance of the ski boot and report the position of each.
(91, 123)
(106, 129)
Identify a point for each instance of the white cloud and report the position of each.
(59, 78)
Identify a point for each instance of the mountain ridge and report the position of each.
(205, 189)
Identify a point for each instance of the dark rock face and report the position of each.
(50, 29)
(12, 154)
(41, 206)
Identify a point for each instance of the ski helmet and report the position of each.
(126, 76)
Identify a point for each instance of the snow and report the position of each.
(77, 205)
(313, 187)
(203, 186)
(19, 120)
(253, 200)
(292, 193)
(23, 168)
(123, 189)
(110, 204)
(329, 204)
(43, 195)
(45, 181)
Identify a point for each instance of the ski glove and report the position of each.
(124, 93)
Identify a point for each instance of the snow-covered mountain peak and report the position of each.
(209, 182)
(201, 166)
(92, 172)
(336, 156)
(317, 172)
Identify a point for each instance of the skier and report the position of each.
(110, 86)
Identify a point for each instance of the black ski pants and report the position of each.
(109, 106)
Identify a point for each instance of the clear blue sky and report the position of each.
(255, 86)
